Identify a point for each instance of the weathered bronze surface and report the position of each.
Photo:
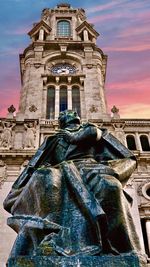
(123, 260)
(70, 201)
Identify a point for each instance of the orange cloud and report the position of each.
(131, 97)
(136, 84)
(139, 110)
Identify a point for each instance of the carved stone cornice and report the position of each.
(137, 122)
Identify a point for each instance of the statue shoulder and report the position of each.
(88, 124)
(48, 140)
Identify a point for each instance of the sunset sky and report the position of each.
(124, 27)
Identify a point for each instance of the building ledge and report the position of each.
(17, 152)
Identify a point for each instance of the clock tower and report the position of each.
(63, 68)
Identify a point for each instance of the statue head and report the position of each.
(68, 117)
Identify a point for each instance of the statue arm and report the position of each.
(85, 134)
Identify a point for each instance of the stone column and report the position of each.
(44, 106)
(138, 142)
(42, 138)
(85, 34)
(147, 224)
(41, 35)
(69, 98)
(57, 90)
(94, 40)
(149, 138)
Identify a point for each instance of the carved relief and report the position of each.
(37, 65)
(11, 109)
(6, 135)
(115, 112)
(130, 184)
(144, 189)
(93, 108)
(18, 140)
(89, 66)
(32, 108)
(142, 167)
(45, 14)
(30, 134)
(81, 14)
(3, 174)
(119, 132)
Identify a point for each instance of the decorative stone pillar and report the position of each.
(41, 35)
(57, 92)
(94, 40)
(85, 34)
(149, 138)
(69, 98)
(41, 138)
(138, 142)
(44, 106)
(147, 224)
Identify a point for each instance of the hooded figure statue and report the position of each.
(69, 200)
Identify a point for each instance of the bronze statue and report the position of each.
(69, 200)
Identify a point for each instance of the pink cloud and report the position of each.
(9, 94)
(133, 43)
(105, 17)
(18, 31)
(137, 20)
(103, 7)
(130, 47)
(11, 51)
(14, 99)
(134, 85)
(129, 95)
(116, 5)
(132, 30)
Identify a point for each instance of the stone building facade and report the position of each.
(62, 69)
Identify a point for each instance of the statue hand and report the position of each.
(67, 136)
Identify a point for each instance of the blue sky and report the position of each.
(124, 36)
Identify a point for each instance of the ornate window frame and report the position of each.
(64, 28)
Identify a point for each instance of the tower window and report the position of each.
(50, 113)
(76, 99)
(144, 143)
(131, 142)
(63, 28)
(63, 99)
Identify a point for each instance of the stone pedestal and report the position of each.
(124, 260)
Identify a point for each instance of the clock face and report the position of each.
(63, 69)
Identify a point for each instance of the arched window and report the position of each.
(50, 113)
(131, 142)
(76, 99)
(63, 98)
(144, 143)
(63, 28)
